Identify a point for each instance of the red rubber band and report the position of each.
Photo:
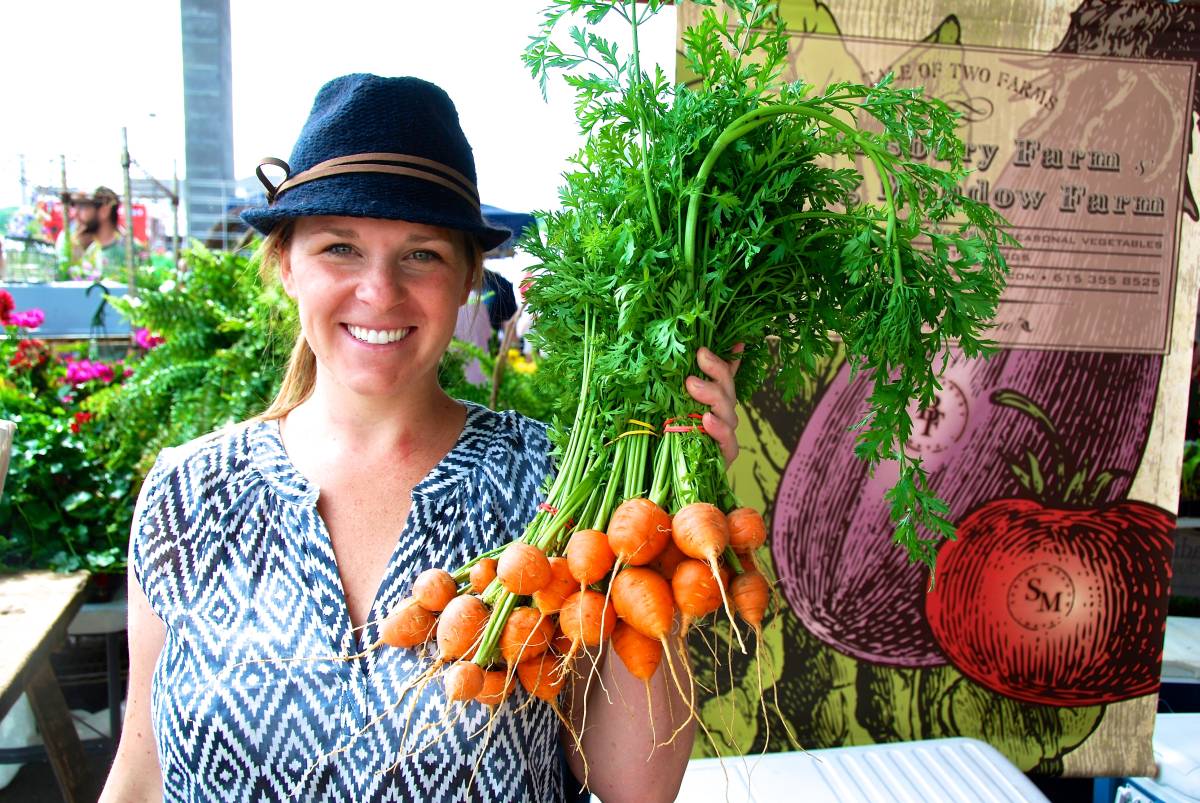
(691, 428)
(551, 509)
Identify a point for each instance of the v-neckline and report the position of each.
(283, 474)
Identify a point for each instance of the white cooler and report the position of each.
(1177, 754)
(957, 770)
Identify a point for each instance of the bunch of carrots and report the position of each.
(622, 587)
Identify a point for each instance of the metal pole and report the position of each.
(175, 213)
(66, 212)
(128, 215)
(24, 183)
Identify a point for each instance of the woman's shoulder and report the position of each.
(220, 451)
(505, 437)
(220, 459)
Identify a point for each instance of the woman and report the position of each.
(277, 539)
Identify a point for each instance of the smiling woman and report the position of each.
(377, 299)
(264, 557)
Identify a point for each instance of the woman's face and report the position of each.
(378, 299)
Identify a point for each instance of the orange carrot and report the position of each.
(668, 559)
(751, 593)
(523, 568)
(747, 530)
(549, 598)
(463, 681)
(641, 655)
(589, 556)
(407, 625)
(540, 678)
(587, 618)
(497, 685)
(434, 588)
(460, 627)
(701, 531)
(526, 633)
(696, 591)
(643, 599)
(482, 575)
(638, 531)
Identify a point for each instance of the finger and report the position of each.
(735, 364)
(716, 368)
(724, 434)
(714, 395)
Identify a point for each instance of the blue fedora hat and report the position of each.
(375, 147)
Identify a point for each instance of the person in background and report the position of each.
(79, 210)
(107, 248)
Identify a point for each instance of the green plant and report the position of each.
(522, 387)
(225, 339)
(63, 507)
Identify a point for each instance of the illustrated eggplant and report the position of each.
(838, 568)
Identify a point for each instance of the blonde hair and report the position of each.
(300, 375)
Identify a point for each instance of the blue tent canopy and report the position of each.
(514, 221)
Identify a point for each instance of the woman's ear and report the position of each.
(474, 279)
(286, 277)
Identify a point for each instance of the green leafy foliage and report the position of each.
(63, 507)
(727, 214)
(226, 340)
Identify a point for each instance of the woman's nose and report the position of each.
(379, 285)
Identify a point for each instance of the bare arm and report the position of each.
(136, 774)
(626, 733)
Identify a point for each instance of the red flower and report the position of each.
(29, 355)
(80, 418)
(7, 305)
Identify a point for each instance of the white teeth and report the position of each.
(378, 336)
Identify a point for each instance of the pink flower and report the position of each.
(27, 319)
(80, 372)
(146, 340)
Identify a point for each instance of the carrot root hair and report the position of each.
(712, 562)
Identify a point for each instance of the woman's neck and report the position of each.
(353, 424)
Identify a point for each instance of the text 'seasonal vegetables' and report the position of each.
(727, 214)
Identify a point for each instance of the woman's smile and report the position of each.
(377, 337)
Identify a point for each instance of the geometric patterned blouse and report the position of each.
(249, 700)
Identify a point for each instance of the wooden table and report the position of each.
(35, 611)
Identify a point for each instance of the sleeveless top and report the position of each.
(246, 701)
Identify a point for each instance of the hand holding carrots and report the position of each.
(721, 420)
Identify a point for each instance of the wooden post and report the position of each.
(66, 211)
(63, 747)
(132, 292)
(175, 214)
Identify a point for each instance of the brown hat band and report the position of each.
(398, 164)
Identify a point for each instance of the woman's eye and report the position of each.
(340, 249)
(426, 256)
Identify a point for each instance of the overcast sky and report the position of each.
(75, 72)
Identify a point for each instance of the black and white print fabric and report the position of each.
(249, 702)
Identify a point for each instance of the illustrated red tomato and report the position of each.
(1054, 605)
